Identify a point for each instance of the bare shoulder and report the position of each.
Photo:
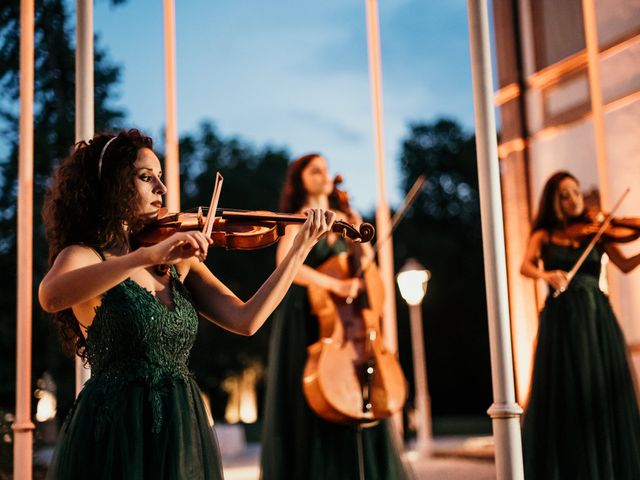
(536, 241)
(540, 236)
(183, 268)
(75, 256)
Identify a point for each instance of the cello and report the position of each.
(350, 377)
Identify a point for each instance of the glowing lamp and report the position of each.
(412, 281)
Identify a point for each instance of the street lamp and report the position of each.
(412, 280)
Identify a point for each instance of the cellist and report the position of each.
(296, 443)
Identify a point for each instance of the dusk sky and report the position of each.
(294, 74)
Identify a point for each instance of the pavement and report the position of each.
(452, 458)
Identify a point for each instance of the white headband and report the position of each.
(104, 149)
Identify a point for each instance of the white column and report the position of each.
(171, 161)
(23, 426)
(84, 108)
(383, 217)
(505, 412)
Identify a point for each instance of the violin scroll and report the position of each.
(367, 232)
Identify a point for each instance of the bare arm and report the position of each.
(78, 275)
(220, 305)
(310, 276)
(305, 275)
(530, 264)
(624, 263)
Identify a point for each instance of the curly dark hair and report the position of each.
(86, 207)
(547, 217)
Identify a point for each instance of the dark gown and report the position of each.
(140, 415)
(296, 443)
(582, 421)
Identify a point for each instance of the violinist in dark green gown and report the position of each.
(297, 443)
(582, 419)
(140, 415)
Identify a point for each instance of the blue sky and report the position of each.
(295, 74)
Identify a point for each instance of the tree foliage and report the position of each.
(442, 231)
(54, 113)
(252, 180)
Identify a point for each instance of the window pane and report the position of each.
(558, 29)
(617, 19)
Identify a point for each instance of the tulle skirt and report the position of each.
(123, 438)
(582, 419)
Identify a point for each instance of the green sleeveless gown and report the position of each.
(140, 415)
(582, 420)
(296, 443)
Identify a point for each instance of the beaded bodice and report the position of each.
(132, 327)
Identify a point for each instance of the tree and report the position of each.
(53, 134)
(443, 232)
(252, 180)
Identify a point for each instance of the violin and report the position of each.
(619, 230)
(350, 377)
(235, 229)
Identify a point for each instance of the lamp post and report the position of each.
(412, 281)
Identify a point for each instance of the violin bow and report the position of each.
(163, 269)
(208, 224)
(415, 189)
(411, 196)
(587, 251)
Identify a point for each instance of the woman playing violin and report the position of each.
(296, 443)
(140, 415)
(582, 418)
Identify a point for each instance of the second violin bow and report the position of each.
(415, 189)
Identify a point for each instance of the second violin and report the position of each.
(619, 230)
